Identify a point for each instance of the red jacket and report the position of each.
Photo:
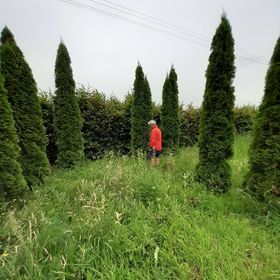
(155, 138)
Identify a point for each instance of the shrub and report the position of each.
(189, 126)
(244, 118)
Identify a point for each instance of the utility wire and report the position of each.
(152, 20)
(91, 8)
(167, 24)
(119, 17)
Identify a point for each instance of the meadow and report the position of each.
(118, 218)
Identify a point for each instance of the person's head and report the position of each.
(152, 123)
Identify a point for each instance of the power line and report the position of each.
(152, 20)
(167, 24)
(119, 17)
(91, 8)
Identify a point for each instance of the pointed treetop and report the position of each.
(173, 72)
(222, 42)
(139, 71)
(224, 19)
(7, 36)
(62, 45)
(224, 14)
(62, 51)
(62, 66)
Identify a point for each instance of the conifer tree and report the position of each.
(141, 112)
(67, 116)
(12, 183)
(22, 95)
(263, 178)
(216, 120)
(170, 122)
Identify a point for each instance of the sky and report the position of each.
(105, 50)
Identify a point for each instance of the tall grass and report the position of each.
(118, 218)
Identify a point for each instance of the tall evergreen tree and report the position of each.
(22, 95)
(141, 111)
(170, 121)
(12, 183)
(67, 116)
(263, 178)
(216, 120)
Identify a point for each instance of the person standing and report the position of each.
(155, 143)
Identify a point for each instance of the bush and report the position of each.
(96, 124)
(120, 125)
(106, 123)
(244, 118)
(189, 126)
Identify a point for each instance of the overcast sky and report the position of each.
(105, 50)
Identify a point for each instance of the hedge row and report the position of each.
(106, 126)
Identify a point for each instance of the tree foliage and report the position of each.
(170, 118)
(67, 116)
(12, 183)
(244, 118)
(217, 119)
(141, 111)
(106, 123)
(22, 95)
(189, 126)
(263, 178)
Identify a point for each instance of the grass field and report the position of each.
(117, 218)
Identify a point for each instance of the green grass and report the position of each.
(118, 218)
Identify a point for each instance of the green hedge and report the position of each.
(189, 126)
(106, 123)
(244, 118)
(106, 126)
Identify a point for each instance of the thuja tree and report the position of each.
(263, 178)
(141, 111)
(12, 183)
(67, 116)
(22, 95)
(216, 128)
(170, 122)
